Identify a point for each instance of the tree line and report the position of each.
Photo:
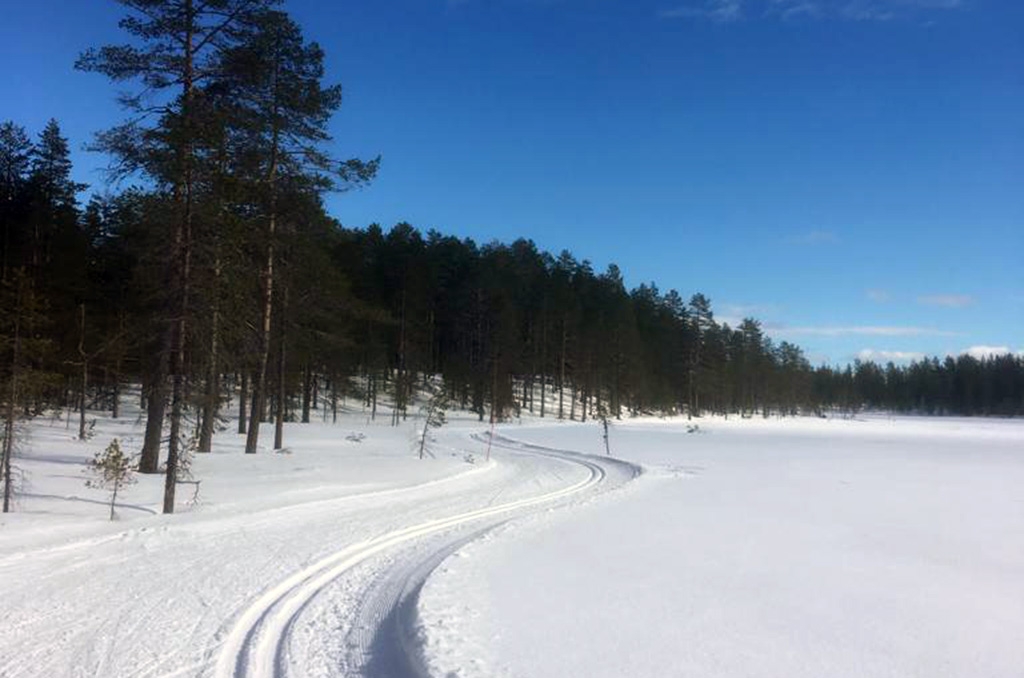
(965, 385)
(218, 276)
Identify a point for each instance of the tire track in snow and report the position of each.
(257, 644)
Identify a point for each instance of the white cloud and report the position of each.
(866, 330)
(980, 352)
(721, 11)
(947, 300)
(871, 355)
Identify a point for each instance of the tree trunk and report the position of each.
(495, 407)
(259, 383)
(9, 418)
(315, 384)
(572, 400)
(281, 398)
(156, 404)
(561, 376)
(84, 384)
(182, 265)
(260, 376)
(307, 392)
(585, 394)
(113, 498)
(115, 404)
(84, 387)
(115, 408)
(334, 400)
(373, 396)
(243, 392)
(543, 367)
(211, 401)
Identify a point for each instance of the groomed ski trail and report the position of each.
(257, 645)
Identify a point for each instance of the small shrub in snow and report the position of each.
(602, 417)
(434, 412)
(111, 469)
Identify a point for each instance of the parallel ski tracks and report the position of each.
(256, 646)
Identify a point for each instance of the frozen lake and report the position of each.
(871, 547)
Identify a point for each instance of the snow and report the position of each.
(873, 547)
(151, 594)
(287, 564)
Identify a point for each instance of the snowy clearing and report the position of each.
(872, 547)
(290, 564)
(864, 548)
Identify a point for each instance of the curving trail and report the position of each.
(319, 580)
(274, 637)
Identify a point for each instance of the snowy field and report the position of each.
(289, 563)
(872, 547)
(863, 548)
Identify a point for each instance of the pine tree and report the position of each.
(22, 351)
(180, 44)
(111, 470)
(434, 412)
(282, 110)
(702, 324)
(15, 155)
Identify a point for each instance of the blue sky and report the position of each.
(850, 172)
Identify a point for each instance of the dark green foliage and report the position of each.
(111, 470)
(965, 385)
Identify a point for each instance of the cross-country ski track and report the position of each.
(258, 644)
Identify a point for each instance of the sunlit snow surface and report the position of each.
(864, 548)
(840, 548)
(153, 595)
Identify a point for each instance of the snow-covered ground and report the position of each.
(289, 564)
(873, 547)
(865, 548)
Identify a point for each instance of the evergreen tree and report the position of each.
(281, 110)
(179, 48)
(111, 470)
(15, 156)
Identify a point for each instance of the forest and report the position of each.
(209, 272)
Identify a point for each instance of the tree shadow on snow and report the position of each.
(98, 502)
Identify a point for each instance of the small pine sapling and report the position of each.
(602, 416)
(112, 470)
(435, 415)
